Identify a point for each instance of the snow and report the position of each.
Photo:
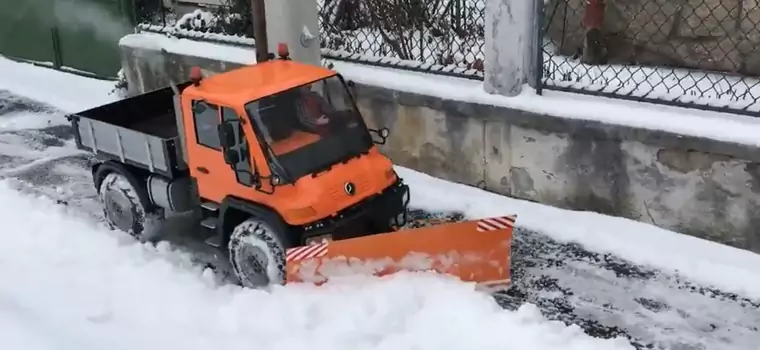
(727, 268)
(70, 284)
(195, 34)
(435, 46)
(53, 86)
(724, 127)
(189, 47)
(664, 83)
(711, 125)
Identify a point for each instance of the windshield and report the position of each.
(309, 128)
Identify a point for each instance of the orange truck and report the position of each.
(286, 178)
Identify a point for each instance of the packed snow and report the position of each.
(711, 125)
(109, 287)
(71, 284)
(54, 87)
(725, 267)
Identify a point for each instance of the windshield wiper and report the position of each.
(276, 164)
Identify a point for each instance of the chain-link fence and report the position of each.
(439, 36)
(231, 18)
(695, 53)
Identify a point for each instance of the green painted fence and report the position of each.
(73, 35)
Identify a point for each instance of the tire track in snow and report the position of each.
(604, 295)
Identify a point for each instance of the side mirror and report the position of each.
(275, 180)
(231, 156)
(383, 133)
(226, 134)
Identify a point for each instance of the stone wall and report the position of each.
(696, 186)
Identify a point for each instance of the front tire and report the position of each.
(257, 254)
(123, 209)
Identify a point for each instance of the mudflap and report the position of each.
(474, 251)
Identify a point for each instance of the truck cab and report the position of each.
(289, 137)
(273, 156)
(287, 179)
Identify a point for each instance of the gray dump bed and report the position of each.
(140, 131)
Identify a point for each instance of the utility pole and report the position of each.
(259, 18)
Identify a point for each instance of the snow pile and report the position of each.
(722, 266)
(54, 87)
(197, 20)
(224, 53)
(69, 284)
(728, 268)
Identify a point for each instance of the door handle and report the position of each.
(202, 169)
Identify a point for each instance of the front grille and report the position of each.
(361, 186)
(375, 207)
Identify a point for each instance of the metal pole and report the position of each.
(260, 30)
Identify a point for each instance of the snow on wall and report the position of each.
(428, 49)
(726, 267)
(710, 125)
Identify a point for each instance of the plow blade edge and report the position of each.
(475, 251)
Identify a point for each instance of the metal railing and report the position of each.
(698, 53)
(437, 36)
(230, 18)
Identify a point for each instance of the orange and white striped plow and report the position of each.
(475, 251)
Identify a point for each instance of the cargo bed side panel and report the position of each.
(128, 146)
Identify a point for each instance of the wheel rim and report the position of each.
(253, 262)
(119, 210)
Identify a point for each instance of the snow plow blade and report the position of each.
(475, 251)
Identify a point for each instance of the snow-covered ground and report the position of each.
(70, 284)
(75, 283)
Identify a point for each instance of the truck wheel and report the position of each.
(257, 254)
(123, 208)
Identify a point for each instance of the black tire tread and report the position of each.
(263, 232)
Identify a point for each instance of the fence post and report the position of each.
(509, 41)
(286, 20)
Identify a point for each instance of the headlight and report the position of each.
(318, 239)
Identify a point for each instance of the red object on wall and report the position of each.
(593, 18)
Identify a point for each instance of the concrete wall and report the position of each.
(696, 186)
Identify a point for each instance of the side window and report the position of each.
(243, 169)
(206, 118)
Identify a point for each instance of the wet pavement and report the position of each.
(601, 293)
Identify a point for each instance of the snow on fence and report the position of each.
(443, 36)
(695, 53)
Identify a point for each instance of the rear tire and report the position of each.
(257, 254)
(123, 209)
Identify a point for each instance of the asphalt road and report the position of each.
(601, 293)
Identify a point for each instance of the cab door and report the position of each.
(214, 177)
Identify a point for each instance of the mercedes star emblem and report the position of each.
(349, 188)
